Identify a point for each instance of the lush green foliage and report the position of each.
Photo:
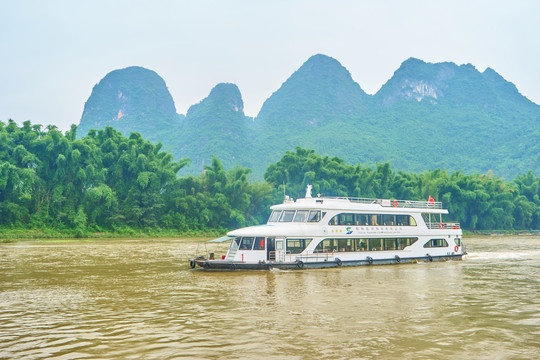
(476, 201)
(105, 182)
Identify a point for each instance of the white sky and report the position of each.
(53, 52)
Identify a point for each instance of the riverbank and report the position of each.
(13, 235)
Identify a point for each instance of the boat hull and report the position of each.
(228, 265)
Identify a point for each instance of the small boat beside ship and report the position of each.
(317, 232)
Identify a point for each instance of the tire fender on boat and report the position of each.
(206, 265)
(192, 264)
(300, 264)
(339, 262)
(398, 259)
(233, 266)
(429, 257)
(369, 260)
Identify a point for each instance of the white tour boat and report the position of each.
(341, 231)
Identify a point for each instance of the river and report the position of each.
(138, 299)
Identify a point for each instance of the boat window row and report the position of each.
(250, 243)
(372, 220)
(363, 244)
(296, 216)
(434, 243)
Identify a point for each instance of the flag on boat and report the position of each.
(431, 201)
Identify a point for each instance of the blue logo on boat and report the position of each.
(349, 230)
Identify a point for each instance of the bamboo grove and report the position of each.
(108, 182)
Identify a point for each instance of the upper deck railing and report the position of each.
(392, 203)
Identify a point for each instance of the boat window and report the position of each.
(432, 218)
(390, 244)
(405, 220)
(247, 243)
(287, 215)
(348, 219)
(301, 216)
(361, 219)
(259, 243)
(296, 246)
(325, 246)
(274, 217)
(360, 244)
(345, 245)
(457, 241)
(375, 219)
(389, 220)
(375, 244)
(314, 216)
(404, 242)
(436, 243)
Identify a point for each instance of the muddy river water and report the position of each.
(138, 299)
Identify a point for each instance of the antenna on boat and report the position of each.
(284, 196)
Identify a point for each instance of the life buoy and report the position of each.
(395, 203)
(456, 248)
(192, 264)
(398, 259)
(339, 262)
(300, 264)
(441, 225)
(369, 260)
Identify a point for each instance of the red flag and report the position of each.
(431, 199)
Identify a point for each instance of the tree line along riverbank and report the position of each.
(53, 184)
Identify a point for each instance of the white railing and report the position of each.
(315, 257)
(393, 203)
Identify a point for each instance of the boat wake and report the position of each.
(506, 255)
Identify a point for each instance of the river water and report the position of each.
(138, 299)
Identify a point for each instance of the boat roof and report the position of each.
(361, 204)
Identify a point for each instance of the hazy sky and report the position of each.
(53, 52)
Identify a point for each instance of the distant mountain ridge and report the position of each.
(426, 116)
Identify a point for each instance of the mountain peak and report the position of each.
(319, 90)
(322, 61)
(128, 99)
(224, 97)
(433, 82)
(324, 69)
(228, 93)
